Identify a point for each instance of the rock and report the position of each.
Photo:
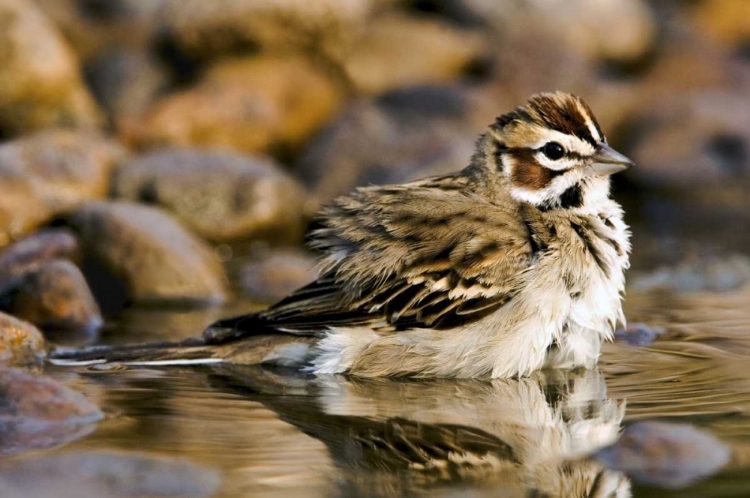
(219, 196)
(30, 253)
(47, 173)
(277, 275)
(727, 21)
(253, 105)
(696, 274)
(401, 136)
(40, 85)
(20, 342)
(619, 30)
(205, 30)
(106, 474)
(140, 253)
(38, 412)
(665, 455)
(638, 334)
(93, 26)
(57, 299)
(125, 81)
(399, 51)
(694, 140)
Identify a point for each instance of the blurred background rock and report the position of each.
(172, 153)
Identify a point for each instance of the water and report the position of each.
(275, 433)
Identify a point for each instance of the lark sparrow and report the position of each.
(511, 265)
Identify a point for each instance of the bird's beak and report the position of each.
(607, 161)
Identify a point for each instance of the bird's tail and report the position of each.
(189, 352)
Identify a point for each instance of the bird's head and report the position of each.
(552, 153)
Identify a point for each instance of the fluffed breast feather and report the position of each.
(419, 255)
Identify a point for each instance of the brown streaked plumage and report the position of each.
(514, 263)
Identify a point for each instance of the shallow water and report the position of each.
(279, 434)
(273, 433)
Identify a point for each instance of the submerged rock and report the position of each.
(47, 173)
(220, 196)
(20, 342)
(38, 412)
(40, 85)
(106, 474)
(638, 334)
(258, 104)
(141, 254)
(57, 299)
(665, 455)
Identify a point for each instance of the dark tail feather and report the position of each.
(233, 328)
(191, 351)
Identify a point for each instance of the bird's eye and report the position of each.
(553, 150)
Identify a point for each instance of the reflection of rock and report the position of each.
(105, 475)
(529, 435)
(220, 196)
(253, 105)
(20, 342)
(57, 299)
(44, 174)
(40, 84)
(39, 412)
(398, 51)
(666, 455)
(139, 253)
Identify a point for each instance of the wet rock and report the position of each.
(40, 84)
(638, 334)
(399, 51)
(402, 136)
(38, 412)
(276, 276)
(665, 455)
(220, 196)
(205, 30)
(696, 274)
(125, 81)
(142, 254)
(30, 253)
(252, 105)
(620, 30)
(106, 474)
(20, 342)
(49, 172)
(57, 299)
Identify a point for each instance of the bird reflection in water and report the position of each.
(527, 436)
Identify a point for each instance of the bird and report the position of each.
(514, 264)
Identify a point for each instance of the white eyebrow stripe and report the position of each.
(589, 123)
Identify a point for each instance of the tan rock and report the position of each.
(44, 174)
(40, 84)
(251, 105)
(20, 342)
(220, 196)
(399, 51)
(277, 275)
(147, 255)
(727, 21)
